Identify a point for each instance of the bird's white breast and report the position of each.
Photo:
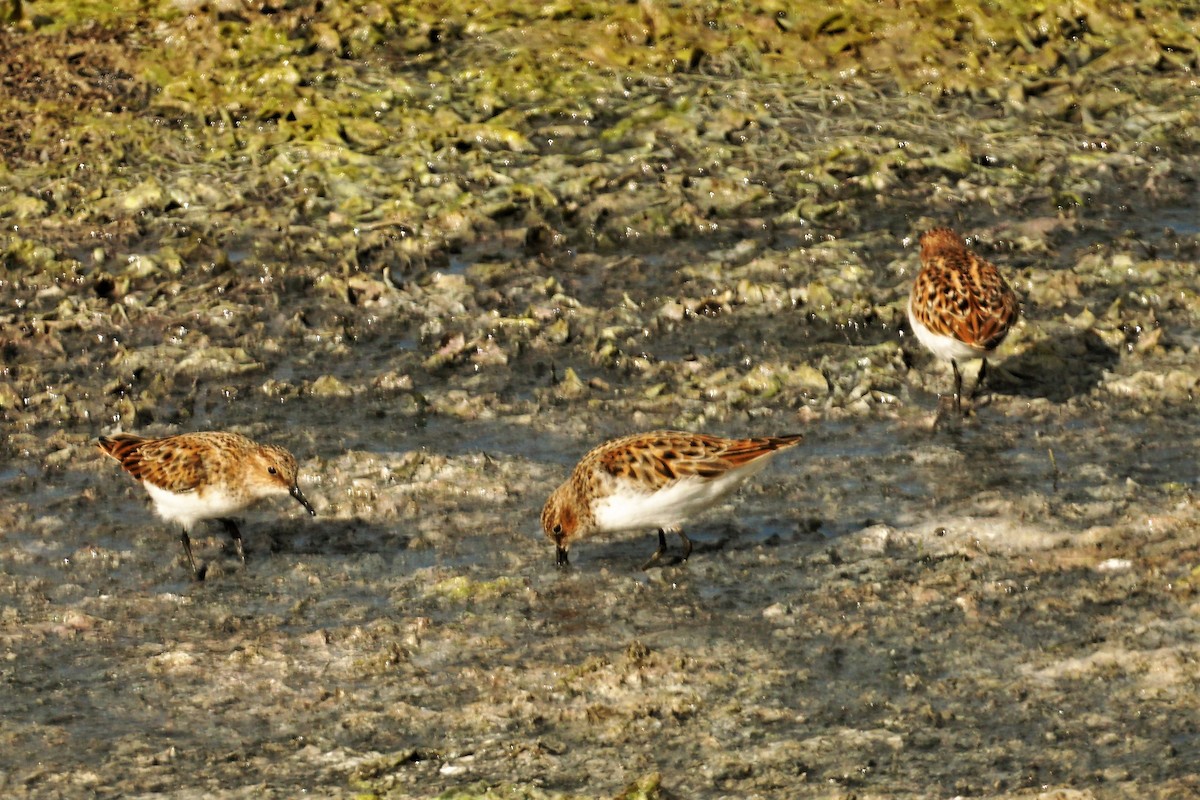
(188, 508)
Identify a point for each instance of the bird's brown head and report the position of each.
(560, 522)
(275, 472)
(938, 241)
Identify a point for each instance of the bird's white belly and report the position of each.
(188, 508)
(629, 507)
(944, 347)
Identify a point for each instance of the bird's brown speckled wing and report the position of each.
(661, 457)
(162, 462)
(959, 294)
(742, 451)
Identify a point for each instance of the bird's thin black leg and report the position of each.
(957, 386)
(232, 529)
(186, 541)
(979, 380)
(687, 544)
(662, 548)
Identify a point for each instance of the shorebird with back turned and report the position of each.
(960, 308)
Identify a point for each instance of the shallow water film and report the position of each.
(439, 250)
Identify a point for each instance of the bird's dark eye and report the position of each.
(557, 528)
(272, 470)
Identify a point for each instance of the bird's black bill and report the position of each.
(295, 492)
(560, 556)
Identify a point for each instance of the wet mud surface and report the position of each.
(439, 255)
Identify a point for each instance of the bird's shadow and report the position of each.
(707, 540)
(1056, 368)
(332, 537)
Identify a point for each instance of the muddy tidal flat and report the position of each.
(438, 251)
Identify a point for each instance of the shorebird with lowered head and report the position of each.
(652, 480)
